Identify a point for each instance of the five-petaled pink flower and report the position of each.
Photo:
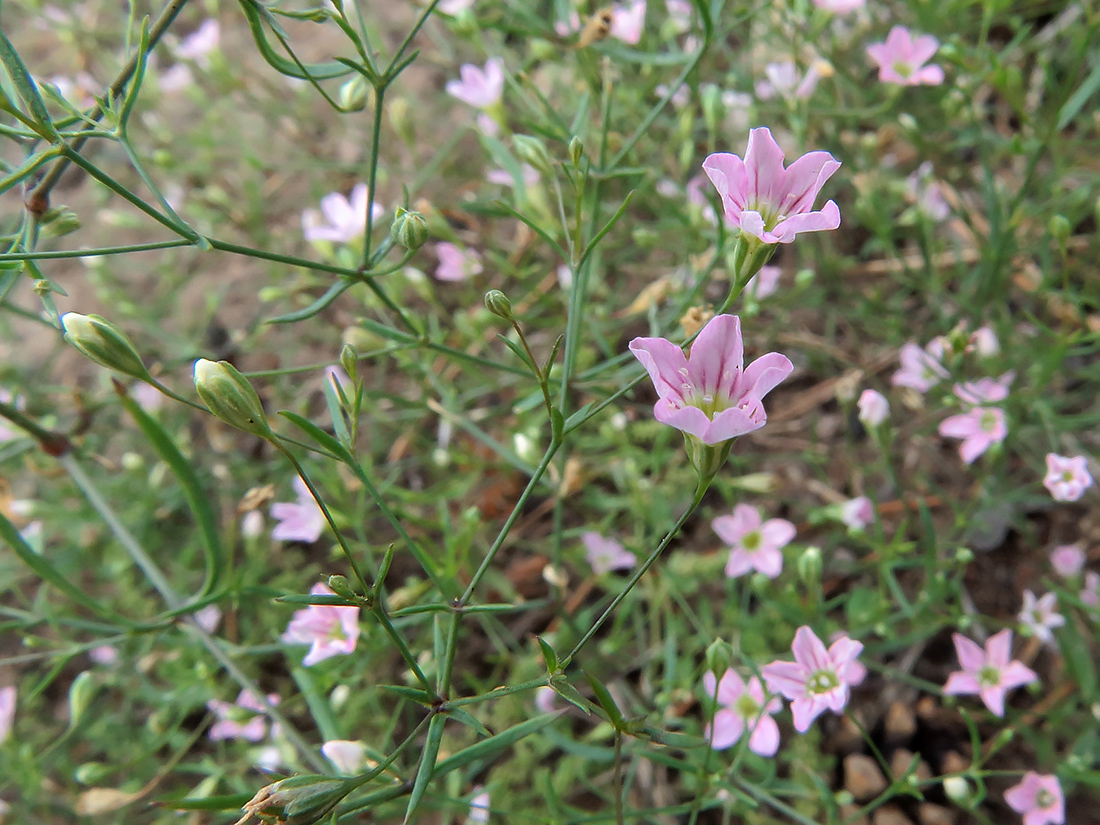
(1040, 616)
(767, 201)
(1039, 799)
(1067, 477)
(456, 264)
(300, 520)
(1068, 560)
(606, 554)
(742, 706)
(754, 544)
(873, 408)
(481, 88)
(710, 395)
(920, 368)
(341, 220)
(242, 719)
(990, 673)
(331, 629)
(902, 57)
(818, 679)
(979, 428)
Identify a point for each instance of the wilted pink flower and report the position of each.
(606, 554)
(783, 81)
(988, 673)
(200, 43)
(7, 711)
(902, 57)
(1067, 477)
(1039, 798)
(985, 390)
(1068, 560)
(742, 706)
(341, 220)
(710, 396)
(984, 341)
(857, 513)
(754, 544)
(920, 368)
(456, 264)
(300, 520)
(627, 21)
(241, 720)
(1040, 616)
(767, 201)
(980, 429)
(347, 757)
(818, 679)
(331, 629)
(840, 6)
(481, 88)
(479, 808)
(928, 193)
(873, 408)
(763, 283)
(1090, 596)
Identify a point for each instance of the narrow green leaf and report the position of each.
(137, 78)
(579, 417)
(417, 695)
(606, 228)
(520, 353)
(548, 655)
(24, 84)
(490, 747)
(335, 412)
(331, 294)
(571, 695)
(1079, 660)
(320, 436)
(469, 720)
(1080, 97)
(253, 12)
(603, 698)
(206, 803)
(427, 765)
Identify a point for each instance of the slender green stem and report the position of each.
(619, 778)
(395, 637)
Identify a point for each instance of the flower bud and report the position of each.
(409, 229)
(102, 342)
(576, 151)
(809, 565)
(957, 790)
(299, 800)
(1060, 230)
(339, 585)
(498, 304)
(354, 94)
(349, 360)
(718, 657)
(58, 222)
(81, 693)
(230, 397)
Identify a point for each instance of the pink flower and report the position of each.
(840, 6)
(920, 368)
(502, 177)
(754, 544)
(988, 673)
(341, 220)
(564, 28)
(1067, 477)
(209, 617)
(783, 80)
(873, 408)
(1090, 596)
(763, 283)
(679, 13)
(857, 513)
(1040, 616)
(105, 655)
(7, 711)
(300, 520)
(456, 264)
(986, 390)
(628, 21)
(902, 57)
(1068, 560)
(767, 201)
(818, 679)
(241, 720)
(980, 429)
(347, 757)
(453, 7)
(709, 395)
(546, 699)
(331, 629)
(928, 193)
(1039, 798)
(147, 397)
(742, 706)
(984, 341)
(200, 43)
(605, 554)
(479, 808)
(481, 88)
(695, 196)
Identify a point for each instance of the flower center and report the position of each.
(1067, 476)
(989, 676)
(988, 422)
(822, 681)
(903, 68)
(708, 402)
(336, 633)
(1044, 798)
(751, 542)
(746, 707)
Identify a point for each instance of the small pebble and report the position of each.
(862, 777)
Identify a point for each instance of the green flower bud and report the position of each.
(1060, 230)
(809, 565)
(354, 94)
(92, 773)
(409, 229)
(340, 586)
(102, 342)
(498, 304)
(230, 397)
(59, 221)
(349, 360)
(81, 693)
(576, 151)
(299, 800)
(533, 151)
(718, 657)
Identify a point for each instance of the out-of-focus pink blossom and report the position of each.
(330, 629)
(985, 390)
(840, 6)
(754, 544)
(628, 21)
(979, 428)
(502, 177)
(1068, 560)
(711, 396)
(928, 193)
(147, 397)
(1038, 798)
(984, 341)
(920, 368)
(300, 520)
(546, 699)
(989, 673)
(341, 220)
(105, 655)
(902, 57)
(252, 524)
(696, 197)
(456, 264)
(818, 679)
(564, 28)
(7, 711)
(347, 757)
(742, 707)
(1041, 616)
(453, 7)
(201, 43)
(479, 808)
(679, 12)
(605, 555)
(782, 80)
(481, 88)
(176, 78)
(763, 283)
(857, 513)
(1067, 477)
(240, 720)
(208, 618)
(767, 201)
(1090, 595)
(873, 408)
(680, 99)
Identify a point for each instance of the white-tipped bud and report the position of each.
(102, 342)
(229, 396)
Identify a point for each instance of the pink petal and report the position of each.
(929, 76)
(999, 648)
(717, 356)
(971, 655)
(1021, 797)
(752, 222)
(765, 374)
(972, 448)
(805, 709)
(739, 563)
(733, 422)
(691, 420)
(1017, 674)
(727, 172)
(959, 683)
(764, 165)
(922, 49)
(828, 218)
(765, 738)
(663, 360)
(728, 727)
(768, 561)
(804, 179)
(809, 651)
(960, 426)
(994, 699)
(777, 532)
(786, 678)
(730, 688)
